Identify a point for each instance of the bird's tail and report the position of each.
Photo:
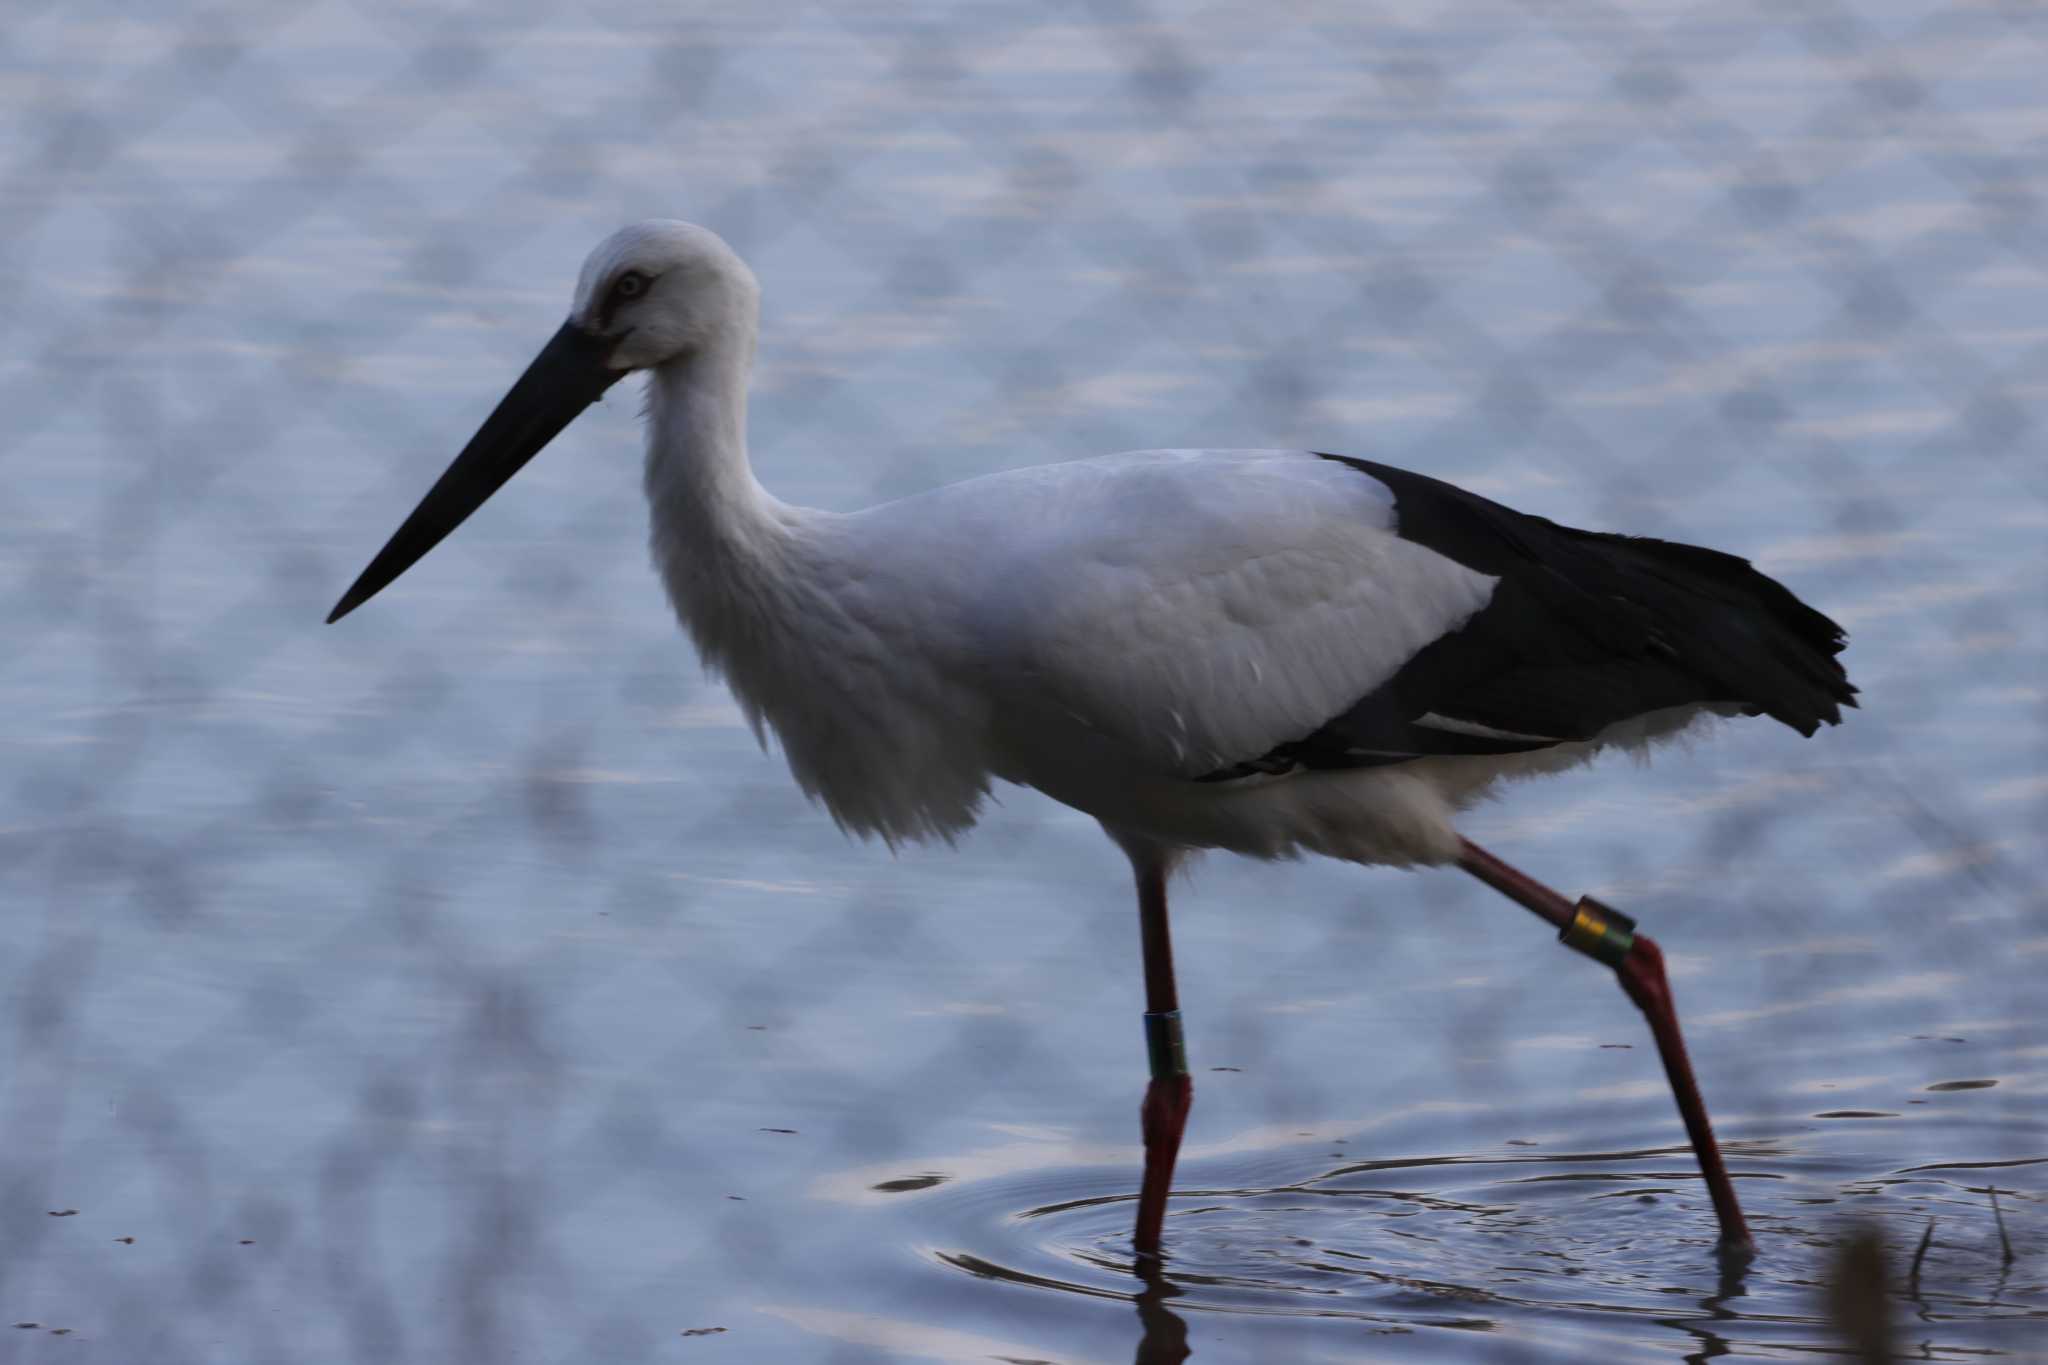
(1747, 632)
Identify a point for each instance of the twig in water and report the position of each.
(1999, 1214)
(1913, 1279)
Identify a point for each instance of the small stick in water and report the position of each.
(1999, 1214)
(1913, 1280)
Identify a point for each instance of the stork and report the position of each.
(1270, 652)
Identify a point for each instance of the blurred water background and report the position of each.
(462, 983)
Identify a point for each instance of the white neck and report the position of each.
(766, 593)
(720, 540)
(697, 466)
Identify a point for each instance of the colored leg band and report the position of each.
(1164, 1047)
(1601, 933)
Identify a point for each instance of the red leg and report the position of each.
(1165, 1117)
(1167, 1099)
(1642, 976)
(1609, 937)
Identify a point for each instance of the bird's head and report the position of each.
(661, 290)
(653, 294)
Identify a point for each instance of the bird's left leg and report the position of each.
(1608, 936)
(1167, 1098)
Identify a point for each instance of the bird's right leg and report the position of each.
(1171, 1091)
(1608, 936)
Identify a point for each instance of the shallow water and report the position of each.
(462, 983)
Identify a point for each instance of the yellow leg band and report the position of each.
(1600, 932)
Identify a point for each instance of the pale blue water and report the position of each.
(440, 986)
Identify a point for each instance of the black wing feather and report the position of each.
(1584, 630)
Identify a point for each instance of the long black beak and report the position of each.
(565, 378)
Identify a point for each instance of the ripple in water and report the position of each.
(1581, 1243)
(1350, 1243)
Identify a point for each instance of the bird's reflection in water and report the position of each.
(1164, 1340)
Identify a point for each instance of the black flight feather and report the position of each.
(1585, 629)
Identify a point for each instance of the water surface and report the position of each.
(463, 983)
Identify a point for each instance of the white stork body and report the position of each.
(1107, 631)
(1266, 651)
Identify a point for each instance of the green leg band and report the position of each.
(1600, 932)
(1165, 1049)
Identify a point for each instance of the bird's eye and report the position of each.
(630, 285)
